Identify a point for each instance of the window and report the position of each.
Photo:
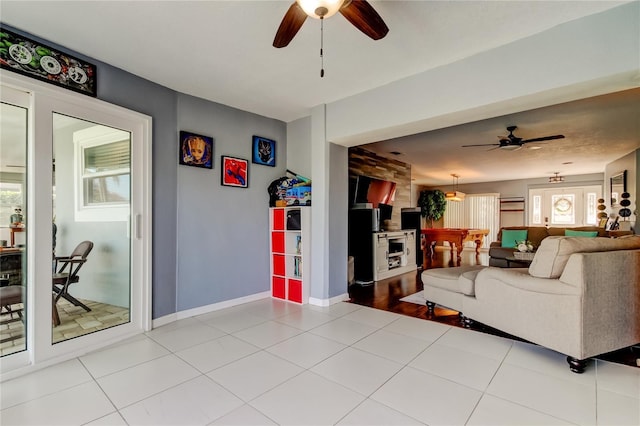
(10, 198)
(536, 210)
(563, 211)
(476, 211)
(103, 176)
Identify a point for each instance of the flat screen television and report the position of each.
(365, 189)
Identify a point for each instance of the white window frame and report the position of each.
(97, 212)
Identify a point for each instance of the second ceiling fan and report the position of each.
(512, 142)
(359, 12)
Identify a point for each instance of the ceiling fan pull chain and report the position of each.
(321, 47)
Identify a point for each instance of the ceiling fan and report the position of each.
(359, 12)
(512, 142)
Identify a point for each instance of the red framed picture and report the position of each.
(235, 172)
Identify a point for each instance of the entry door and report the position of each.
(89, 185)
(564, 207)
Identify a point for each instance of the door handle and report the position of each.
(138, 225)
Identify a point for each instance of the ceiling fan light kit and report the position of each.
(320, 9)
(358, 12)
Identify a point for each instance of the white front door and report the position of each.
(564, 207)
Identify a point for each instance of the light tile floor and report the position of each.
(269, 362)
(74, 322)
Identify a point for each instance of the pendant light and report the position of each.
(454, 194)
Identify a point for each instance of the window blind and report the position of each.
(111, 156)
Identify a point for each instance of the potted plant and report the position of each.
(432, 204)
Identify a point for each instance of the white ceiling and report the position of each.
(221, 51)
(597, 131)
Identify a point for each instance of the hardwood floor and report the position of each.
(386, 295)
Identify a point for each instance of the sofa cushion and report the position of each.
(467, 282)
(559, 232)
(451, 278)
(572, 233)
(554, 252)
(510, 236)
(535, 234)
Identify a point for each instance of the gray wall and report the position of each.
(338, 220)
(235, 248)
(628, 163)
(223, 238)
(298, 146)
(127, 90)
(520, 187)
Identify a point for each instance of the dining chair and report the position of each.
(66, 270)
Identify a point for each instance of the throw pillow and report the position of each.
(589, 234)
(510, 236)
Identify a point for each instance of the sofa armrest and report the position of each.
(611, 297)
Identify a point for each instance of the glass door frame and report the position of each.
(46, 100)
(22, 100)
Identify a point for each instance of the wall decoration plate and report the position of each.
(37, 60)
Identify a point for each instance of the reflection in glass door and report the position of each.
(91, 241)
(13, 227)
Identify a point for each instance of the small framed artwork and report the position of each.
(196, 150)
(264, 151)
(235, 172)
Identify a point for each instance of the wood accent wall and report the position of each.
(367, 163)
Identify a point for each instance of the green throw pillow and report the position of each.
(589, 234)
(510, 236)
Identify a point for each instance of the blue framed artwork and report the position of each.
(264, 151)
(196, 150)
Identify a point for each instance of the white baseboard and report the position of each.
(221, 305)
(328, 302)
(167, 319)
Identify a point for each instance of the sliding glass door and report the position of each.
(14, 311)
(91, 230)
(86, 240)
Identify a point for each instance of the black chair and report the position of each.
(10, 296)
(66, 273)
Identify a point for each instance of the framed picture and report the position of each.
(235, 172)
(603, 222)
(37, 60)
(264, 151)
(196, 150)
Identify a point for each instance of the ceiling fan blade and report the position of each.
(482, 144)
(291, 23)
(364, 17)
(545, 138)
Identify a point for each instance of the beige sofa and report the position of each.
(579, 297)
